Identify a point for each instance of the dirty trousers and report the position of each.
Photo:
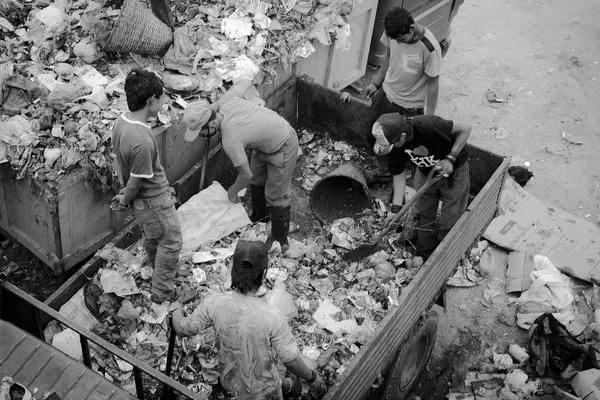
(274, 171)
(454, 195)
(162, 237)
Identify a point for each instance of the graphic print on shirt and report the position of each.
(411, 63)
(423, 161)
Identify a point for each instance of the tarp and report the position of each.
(209, 216)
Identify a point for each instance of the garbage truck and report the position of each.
(397, 352)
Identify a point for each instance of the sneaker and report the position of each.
(180, 295)
(379, 178)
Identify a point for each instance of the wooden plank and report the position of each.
(35, 365)
(68, 379)
(50, 375)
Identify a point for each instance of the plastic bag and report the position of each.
(549, 288)
(18, 92)
(282, 300)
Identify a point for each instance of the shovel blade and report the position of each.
(362, 251)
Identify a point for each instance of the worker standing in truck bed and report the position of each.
(430, 143)
(274, 143)
(251, 333)
(146, 188)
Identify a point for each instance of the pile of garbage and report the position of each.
(332, 306)
(60, 92)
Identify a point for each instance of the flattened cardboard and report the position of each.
(526, 223)
(520, 266)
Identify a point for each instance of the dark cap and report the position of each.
(250, 255)
(387, 130)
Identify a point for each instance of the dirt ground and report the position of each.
(543, 57)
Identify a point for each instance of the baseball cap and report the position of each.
(195, 116)
(250, 255)
(387, 130)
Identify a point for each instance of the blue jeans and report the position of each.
(163, 240)
(453, 192)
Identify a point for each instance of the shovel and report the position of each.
(365, 250)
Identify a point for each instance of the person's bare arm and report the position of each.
(462, 132)
(433, 87)
(371, 89)
(301, 370)
(127, 194)
(242, 181)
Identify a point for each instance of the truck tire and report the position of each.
(412, 359)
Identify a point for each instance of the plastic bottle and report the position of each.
(532, 386)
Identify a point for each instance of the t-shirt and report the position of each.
(137, 155)
(432, 141)
(251, 335)
(410, 67)
(246, 125)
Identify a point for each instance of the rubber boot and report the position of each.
(280, 225)
(259, 204)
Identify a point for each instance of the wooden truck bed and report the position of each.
(308, 104)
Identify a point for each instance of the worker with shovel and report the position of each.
(251, 333)
(274, 144)
(436, 146)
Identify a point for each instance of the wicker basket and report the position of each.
(138, 31)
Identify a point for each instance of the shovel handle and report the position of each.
(430, 181)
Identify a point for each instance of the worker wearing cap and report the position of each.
(429, 142)
(251, 333)
(274, 144)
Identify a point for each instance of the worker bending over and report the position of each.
(251, 333)
(429, 142)
(274, 143)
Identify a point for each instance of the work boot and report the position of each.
(182, 296)
(259, 204)
(280, 226)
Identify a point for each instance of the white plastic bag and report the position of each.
(550, 288)
(282, 300)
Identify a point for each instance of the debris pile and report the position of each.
(60, 93)
(333, 306)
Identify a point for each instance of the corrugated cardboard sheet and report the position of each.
(572, 244)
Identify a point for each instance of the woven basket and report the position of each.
(139, 31)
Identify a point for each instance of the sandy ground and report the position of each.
(543, 56)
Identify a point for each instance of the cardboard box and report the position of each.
(520, 267)
(526, 223)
